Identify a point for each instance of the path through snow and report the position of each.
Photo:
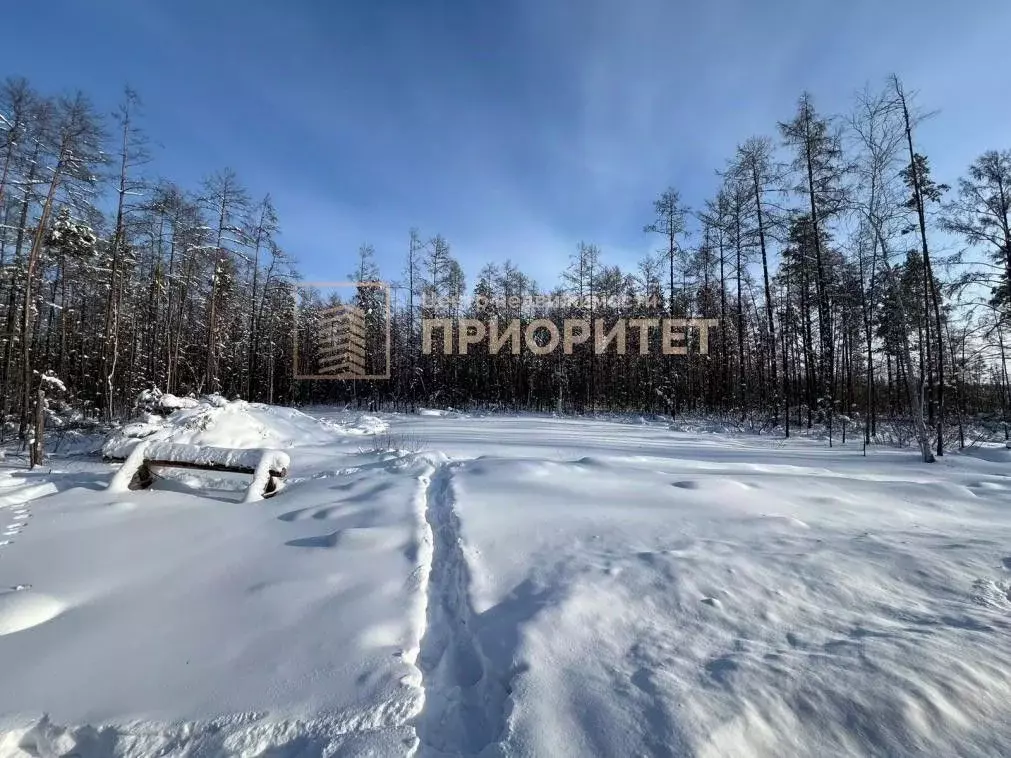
(464, 698)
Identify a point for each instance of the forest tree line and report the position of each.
(850, 284)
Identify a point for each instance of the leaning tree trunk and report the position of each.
(33, 261)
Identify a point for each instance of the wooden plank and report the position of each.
(165, 456)
(280, 474)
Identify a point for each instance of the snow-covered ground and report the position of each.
(508, 585)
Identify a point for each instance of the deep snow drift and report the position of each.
(518, 586)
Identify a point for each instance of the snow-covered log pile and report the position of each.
(267, 466)
(215, 434)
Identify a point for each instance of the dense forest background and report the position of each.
(854, 289)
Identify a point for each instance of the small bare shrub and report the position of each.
(390, 442)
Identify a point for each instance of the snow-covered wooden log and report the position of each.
(268, 467)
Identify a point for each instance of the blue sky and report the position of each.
(514, 128)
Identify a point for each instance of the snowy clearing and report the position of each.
(516, 585)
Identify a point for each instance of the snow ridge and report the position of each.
(465, 703)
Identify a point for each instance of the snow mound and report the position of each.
(171, 402)
(24, 610)
(992, 454)
(361, 424)
(992, 594)
(215, 422)
(22, 493)
(243, 734)
(367, 425)
(438, 412)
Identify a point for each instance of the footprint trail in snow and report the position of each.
(16, 523)
(465, 701)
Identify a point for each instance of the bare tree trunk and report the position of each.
(739, 392)
(768, 293)
(930, 290)
(825, 357)
(723, 321)
(110, 346)
(1006, 396)
(35, 450)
